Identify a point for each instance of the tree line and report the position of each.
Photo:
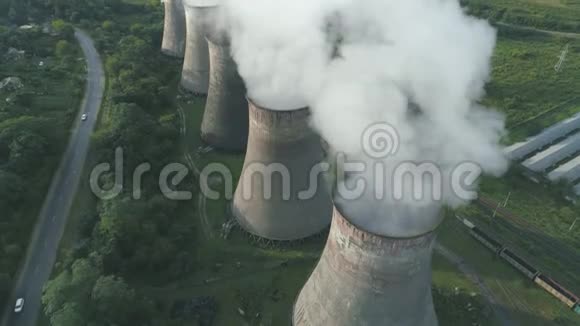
(123, 242)
(34, 124)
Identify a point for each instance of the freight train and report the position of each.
(521, 265)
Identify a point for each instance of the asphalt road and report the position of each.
(43, 247)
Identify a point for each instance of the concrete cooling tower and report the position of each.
(225, 119)
(368, 279)
(282, 151)
(174, 29)
(199, 15)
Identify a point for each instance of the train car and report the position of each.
(556, 290)
(519, 263)
(487, 241)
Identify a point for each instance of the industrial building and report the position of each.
(282, 151)
(570, 171)
(173, 43)
(225, 119)
(199, 16)
(519, 151)
(553, 154)
(364, 278)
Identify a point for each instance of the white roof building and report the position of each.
(520, 150)
(569, 171)
(553, 154)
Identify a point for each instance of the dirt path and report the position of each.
(201, 200)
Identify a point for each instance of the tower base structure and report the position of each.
(367, 279)
(280, 196)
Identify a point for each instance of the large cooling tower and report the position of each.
(198, 15)
(367, 279)
(174, 29)
(225, 119)
(271, 207)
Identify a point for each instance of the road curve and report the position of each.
(42, 250)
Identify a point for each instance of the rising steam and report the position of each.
(418, 65)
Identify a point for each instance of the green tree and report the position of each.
(11, 190)
(114, 301)
(108, 25)
(5, 287)
(63, 28)
(64, 49)
(71, 314)
(25, 150)
(18, 12)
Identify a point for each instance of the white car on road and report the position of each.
(19, 305)
(84, 117)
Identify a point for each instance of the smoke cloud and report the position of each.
(418, 65)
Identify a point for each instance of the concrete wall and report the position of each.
(195, 73)
(174, 29)
(225, 120)
(283, 138)
(366, 279)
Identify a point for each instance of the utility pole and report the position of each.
(558, 66)
(495, 211)
(571, 226)
(506, 199)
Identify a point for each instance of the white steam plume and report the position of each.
(393, 55)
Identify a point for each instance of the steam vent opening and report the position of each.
(368, 279)
(274, 198)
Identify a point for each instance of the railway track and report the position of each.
(525, 230)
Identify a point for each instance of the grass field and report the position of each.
(546, 14)
(524, 82)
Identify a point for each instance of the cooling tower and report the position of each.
(174, 29)
(282, 151)
(198, 16)
(225, 119)
(367, 279)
